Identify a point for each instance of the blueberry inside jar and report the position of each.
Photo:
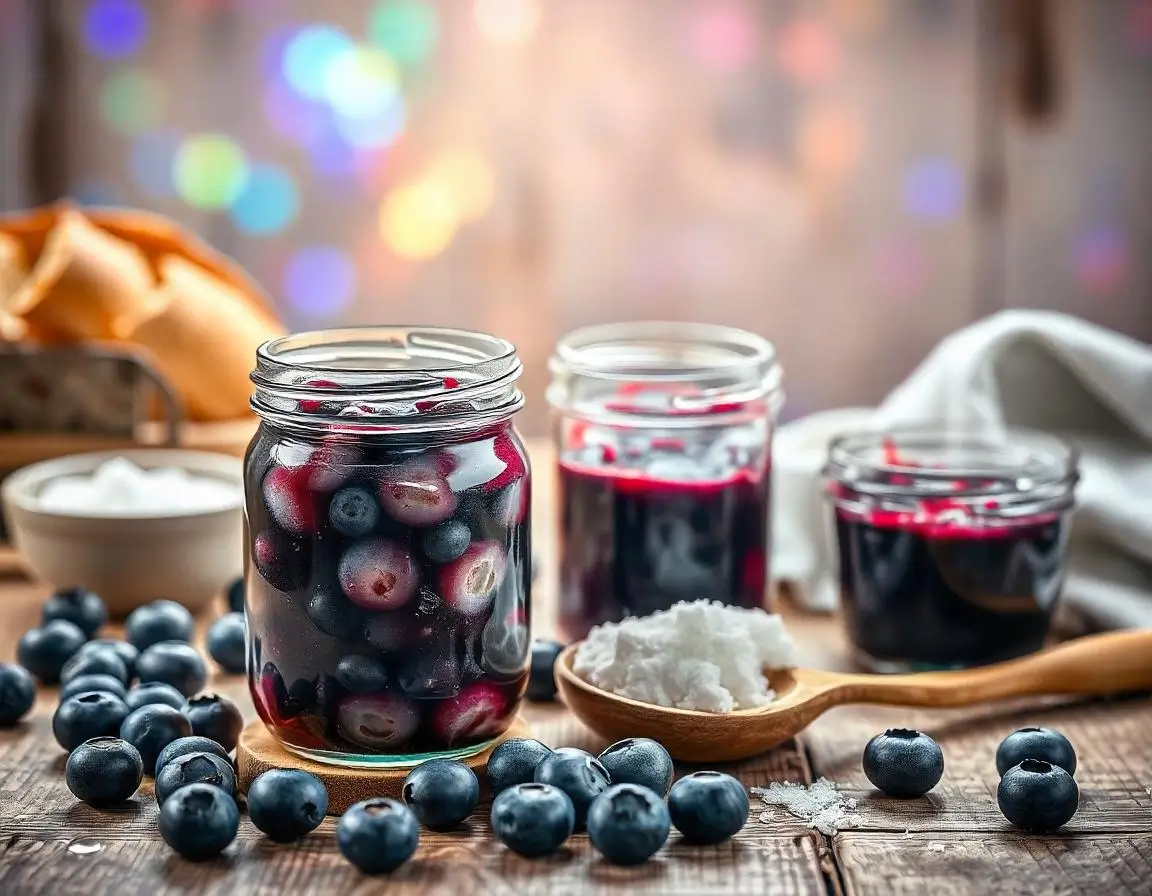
(951, 546)
(389, 563)
(663, 435)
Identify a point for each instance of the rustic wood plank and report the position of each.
(1008, 865)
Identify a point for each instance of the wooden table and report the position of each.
(954, 841)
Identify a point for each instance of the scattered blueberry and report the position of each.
(226, 643)
(161, 620)
(382, 721)
(81, 607)
(235, 595)
(333, 614)
(708, 807)
(578, 774)
(195, 768)
(469, 582)
(286, 804)
(85, 716)
(44, 651)
(174, 663)
(441, 793)
(1035, 743)
(378, 835)
(639, 760)
(628, 824)
(378, 574)
(185, 746)
(104, 771)
(124, 651)
(514, 762)
(361, 674)
(447, 541)
(533, 819)
(541, 682)
(155, 692)
(94, 662)
(199, 821)
(215, 718)
(903, 763)
(151, 728)
(354, 511)
(17, 693)
(1037, 796)
(82, 684)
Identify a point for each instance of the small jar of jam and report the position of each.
(388, 575)
(952, 546)
(663, 434)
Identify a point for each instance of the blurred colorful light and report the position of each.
(933, 190)
(1102, 260)
(97, 193)
(210, 171)
(332, 157)
(319, 282)
(299, 119)
(467, 178)
(723, 37)
(807, 51)
(269, 202)
(418, 219)
(405, 29)
(114, 29)
(900, 269)
(507, 21)
(132, 100)
(308, 55)
(830, 140)
(361, 82)
(376, 132)
(151, 160)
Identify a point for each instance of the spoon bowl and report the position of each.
(1098, 664)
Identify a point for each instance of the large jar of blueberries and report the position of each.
(663, 434)
(388, 575)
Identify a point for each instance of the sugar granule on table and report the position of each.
(820, 805)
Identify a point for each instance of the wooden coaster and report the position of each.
(258, 751)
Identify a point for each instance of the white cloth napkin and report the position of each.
(1033, 369)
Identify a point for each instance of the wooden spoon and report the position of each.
(1098, 664)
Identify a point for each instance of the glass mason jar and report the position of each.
(663, 435)
(951, 546)
(388, 575)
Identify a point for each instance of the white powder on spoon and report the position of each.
(702, 655)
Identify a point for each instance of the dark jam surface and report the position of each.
(942, 593)
(387, 591)
(659, 521)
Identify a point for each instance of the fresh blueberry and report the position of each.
(361, 674)
(151, 728)
(441, 793)
(82, 684)
(333, 614)
(94, 662)
(378, 574)
(17, 693)
(195, 768)
(381, 721)
(1035, 743)
(578, 774)
(447, 541)
(161, 620)
(44, 651)
(541, 681)
(708, 807)
(156, 692)
(124, 651)
(174, 663)
(226, 643)
(628, 824)
(286, 804)
(469, 582)
(199, 821)
(902, 763)
(533, 819)
(215, 718)
(104, 771)
(81, 607)
(186, 746)
(354, 511)
(235, 595)
(1037, 796)
(378, 835)
(85, 716)
(639, 760)
(514, 762)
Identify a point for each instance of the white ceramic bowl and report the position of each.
(130, 560)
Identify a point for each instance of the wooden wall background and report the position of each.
(852, 178)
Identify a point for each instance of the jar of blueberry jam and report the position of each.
(663, 434)
(387, 588)
(951, 546)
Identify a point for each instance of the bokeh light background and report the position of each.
(809, 170)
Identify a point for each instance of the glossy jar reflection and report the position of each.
(389, 561)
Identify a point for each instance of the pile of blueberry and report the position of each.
(1037, 791)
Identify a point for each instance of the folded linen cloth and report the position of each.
(1017, 369)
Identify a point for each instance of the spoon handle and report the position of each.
(1097, 664)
